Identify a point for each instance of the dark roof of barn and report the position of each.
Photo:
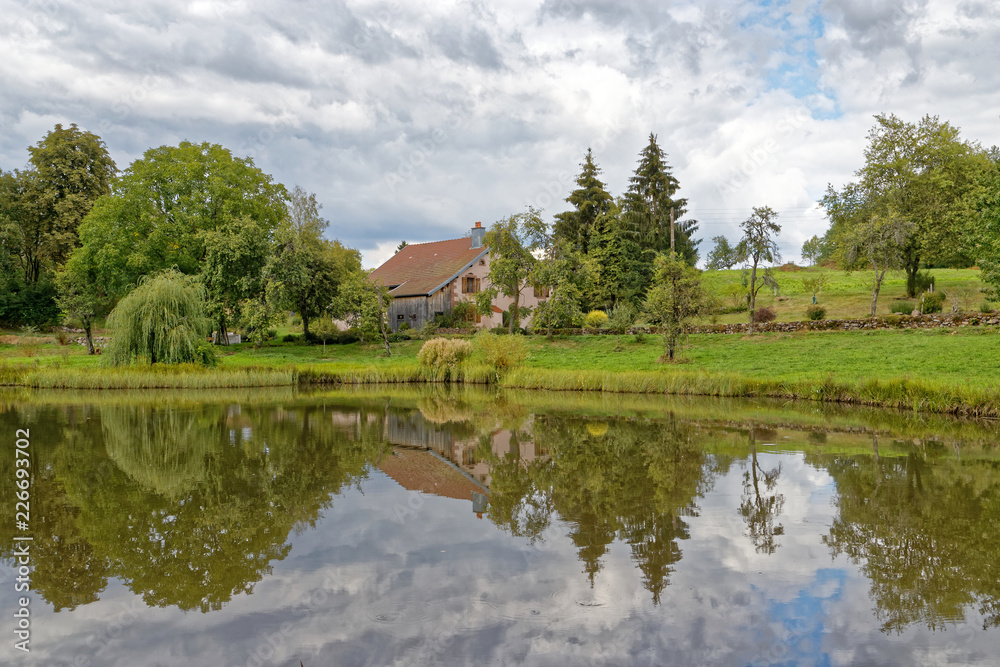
(420, 269)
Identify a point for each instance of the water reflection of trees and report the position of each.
(926, 534)
(760, 504)
(187, 507)
(634, 481)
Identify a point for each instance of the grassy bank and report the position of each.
(845, 296)
(955, 371)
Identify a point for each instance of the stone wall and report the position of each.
(888, 322)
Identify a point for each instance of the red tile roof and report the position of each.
(417, 470)
(421, 268)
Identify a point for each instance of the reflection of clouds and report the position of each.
(447, 588)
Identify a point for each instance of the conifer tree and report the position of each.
(647, 208)
(590, 200)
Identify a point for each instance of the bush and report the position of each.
(62, 337)
(986, 308)
(291, 338)
(893, 320)
(901, 307)
(398, 337)
(815, 312)
(933, 302)
(764, 315)
(501, 353)
(405, 326)
(33, 304)
(924, 281)
(595, 319)
(444, 352)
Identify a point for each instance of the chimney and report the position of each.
(477, 235)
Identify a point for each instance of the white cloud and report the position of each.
(339, 97)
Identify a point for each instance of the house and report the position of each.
(428, 279)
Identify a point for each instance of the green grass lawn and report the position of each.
(968, 356)
(846, 296)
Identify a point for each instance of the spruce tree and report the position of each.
(647, 208)
(590, 201)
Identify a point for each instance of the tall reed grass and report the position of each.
(180, 376)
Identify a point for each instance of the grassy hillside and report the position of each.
(846, 296)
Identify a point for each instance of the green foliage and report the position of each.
(617, 263)
(364, 305)
(233, 275)
(901, 307)
(648, 204)
(41, 209)
(759, 245)
(813, 250)
(924, 282)
(161, 321)
(877, 242)
(461, 316)
(165, 206)
(566, 274)
(306, 269)
(816, 284)
(816, 312)
(500, 353)
(926, 175)
(590, 201)
(444, 353)
(932, 302)
(595, 319)
(29, 304)
(675, 298)
(722, 256)
(986, 308)
(512, 243)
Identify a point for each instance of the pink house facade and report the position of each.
(429, 279)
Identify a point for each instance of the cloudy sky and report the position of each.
(414, 120)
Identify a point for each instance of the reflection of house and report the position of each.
(428, 279)
(458, 442)
(421, 470)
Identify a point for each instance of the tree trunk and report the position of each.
(382, 323)
(515, 312)
(87, 326)
(753, 292)
(912, 267)
(879, 277)
(305, 325)
(222, 334)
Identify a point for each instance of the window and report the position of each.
(413, 316)
(470, 285)
(541, 292)
(473, 316)
(400, 316)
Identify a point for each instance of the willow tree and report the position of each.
(162, 320)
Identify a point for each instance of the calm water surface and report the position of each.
(456, 527)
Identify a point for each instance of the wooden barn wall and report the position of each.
(418, 310)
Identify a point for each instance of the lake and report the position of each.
(419, 526)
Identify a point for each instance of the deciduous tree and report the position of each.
(512, 243)
(758, 246)
(675, 297)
